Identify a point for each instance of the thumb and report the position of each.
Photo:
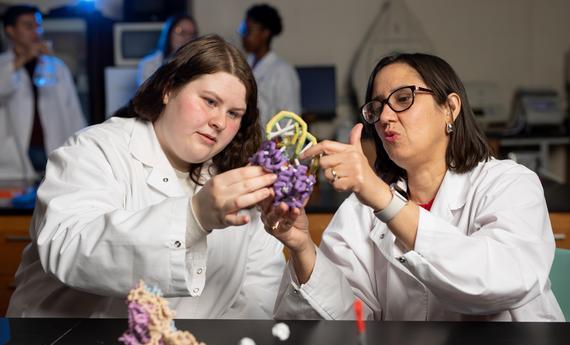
(355, 135)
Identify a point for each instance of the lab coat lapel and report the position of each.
(450, 197)
(144, 146)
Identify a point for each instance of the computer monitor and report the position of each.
(318, 91)
(133, 41)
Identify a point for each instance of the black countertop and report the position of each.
(230, 332)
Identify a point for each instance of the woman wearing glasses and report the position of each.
(177, 31)
(437, 230)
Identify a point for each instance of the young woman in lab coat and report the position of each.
(463, 237)
(177, 31)
(163, 196)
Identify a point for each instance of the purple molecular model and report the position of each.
(151, 322)
(293, 185)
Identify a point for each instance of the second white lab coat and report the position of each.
(483, 252)
(278, 86)
(111, 212)
(59, 108)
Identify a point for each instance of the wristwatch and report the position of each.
(398, 201)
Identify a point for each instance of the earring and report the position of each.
(449, 128)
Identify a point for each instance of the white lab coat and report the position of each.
(483, 253)
(278, 86)
(111, 212)
(148, 65)
(59, 108)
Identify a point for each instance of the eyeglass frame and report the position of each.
(414, 89)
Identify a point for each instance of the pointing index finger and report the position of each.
(326, 147)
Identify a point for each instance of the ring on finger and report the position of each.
(334, 175)
(275, 226)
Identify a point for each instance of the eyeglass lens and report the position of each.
(399, 100)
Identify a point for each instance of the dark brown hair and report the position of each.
(13, 13)
(205, 55)
(164, 44)
(467, 143)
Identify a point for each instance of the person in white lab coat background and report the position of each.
(37, 113)
(177, 31)
(277, 81)
(459, 236)
(164, 196)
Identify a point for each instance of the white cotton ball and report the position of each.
(246, 341)
(281, 331)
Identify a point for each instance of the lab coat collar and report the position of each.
(451, 196)
(144, 147)
(452, 193)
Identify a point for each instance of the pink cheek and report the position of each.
(233, 126)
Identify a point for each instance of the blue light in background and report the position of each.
(4, 331)
(86, 5)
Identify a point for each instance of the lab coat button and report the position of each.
(199, 271)
(177, 244)
(402, 259)
(295, 291)
(196, 290)
(165, 179)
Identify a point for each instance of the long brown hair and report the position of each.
(205, 55)
(467, 143)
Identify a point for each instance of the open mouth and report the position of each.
(391, 136)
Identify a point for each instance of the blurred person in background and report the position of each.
(39, 106)
(277, 80)
(177, 30)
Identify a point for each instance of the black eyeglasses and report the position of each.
(399, 100)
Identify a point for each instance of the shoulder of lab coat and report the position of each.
(110, 212)
(487, 245)
(288, 89)
(148, 65)
(278, 85)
